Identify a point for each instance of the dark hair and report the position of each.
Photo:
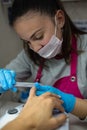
(49, 7)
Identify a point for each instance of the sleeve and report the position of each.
(82, 65)
(82, 42)
(21, 65)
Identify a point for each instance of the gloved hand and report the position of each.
(7, 80)
(69, 99)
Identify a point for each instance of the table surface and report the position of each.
(74, 122)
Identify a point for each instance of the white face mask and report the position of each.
(52, 48)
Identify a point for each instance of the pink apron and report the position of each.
(67, 84)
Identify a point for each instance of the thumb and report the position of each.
(41, 87)
(32, 92)
(14, 89)
(2, 90)
(58, 120)
(37, 85)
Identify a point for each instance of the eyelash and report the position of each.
(38, 38)
(34, 38)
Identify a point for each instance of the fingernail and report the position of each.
(59, 96)
(66, 114)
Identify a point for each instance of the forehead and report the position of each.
(30, 23)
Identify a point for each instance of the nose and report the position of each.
(35, 48)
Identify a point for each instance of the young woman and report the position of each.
(54, 53)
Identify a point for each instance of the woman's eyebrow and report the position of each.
(32, 34)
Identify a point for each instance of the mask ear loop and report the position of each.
(55, 26)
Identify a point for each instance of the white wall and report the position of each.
(10, 44)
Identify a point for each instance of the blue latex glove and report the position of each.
(69, 99)
(7, 80)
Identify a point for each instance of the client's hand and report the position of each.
(38, 112)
